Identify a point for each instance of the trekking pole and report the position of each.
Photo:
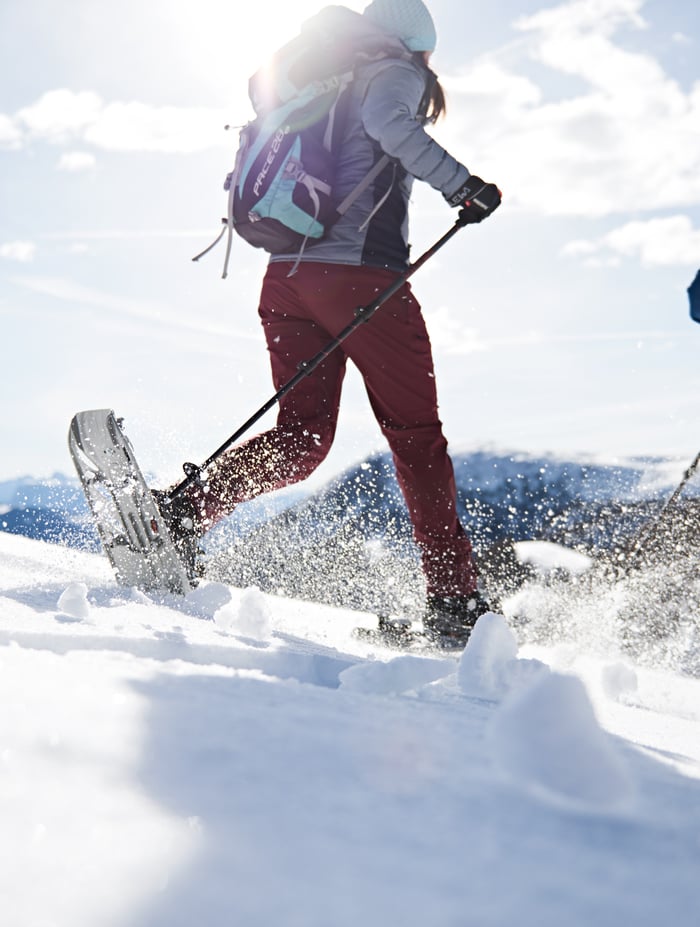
(647, 530)
(362, 315)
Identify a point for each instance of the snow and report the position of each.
(548, 739)
(546, 557)
(251, 616)
(238, 758)
(618, 679)
(489, 666)
(73, 601)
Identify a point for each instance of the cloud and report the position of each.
(622, 137)
(116, 234)
(145, 311)
(10, 136)
(566, 119)
(604, 16)
(59, 115)
(680, 38)
(667, 241)
(450, 335)
(75, 161)
(22, 251)
(140, 127)
(64, 117)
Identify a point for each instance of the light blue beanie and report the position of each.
(409, 20)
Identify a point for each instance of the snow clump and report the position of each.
(489, 666)
(205, 600)
(402, 674)
(546, 739)
(73, 601)
(618, 679)
(250, 616)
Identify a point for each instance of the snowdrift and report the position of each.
(239, 758)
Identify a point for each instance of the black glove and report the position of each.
(477, 198)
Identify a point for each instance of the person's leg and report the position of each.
(393, 353)
(307, 416)
(404, 399)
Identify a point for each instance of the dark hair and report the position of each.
(434, 103)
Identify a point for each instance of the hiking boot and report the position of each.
(450, 619)
(183, 524)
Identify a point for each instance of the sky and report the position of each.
(560, 325)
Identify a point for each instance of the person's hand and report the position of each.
(477, 199)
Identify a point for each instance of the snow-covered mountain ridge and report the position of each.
(513, 494)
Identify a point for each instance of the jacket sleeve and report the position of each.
(389, 113)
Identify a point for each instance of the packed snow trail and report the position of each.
(235, 758)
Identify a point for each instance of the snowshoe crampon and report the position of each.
(390, 632)
(133, 532)
(402, 634)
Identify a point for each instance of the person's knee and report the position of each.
(424, 439)
(312, 444)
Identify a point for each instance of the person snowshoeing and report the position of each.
(390, 102)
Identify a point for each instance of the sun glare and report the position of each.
(233, 35)
(222, 44)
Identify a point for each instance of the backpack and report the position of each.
(280, 192)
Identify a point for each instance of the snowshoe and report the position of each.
(133, 531)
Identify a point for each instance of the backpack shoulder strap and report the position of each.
(357, 191)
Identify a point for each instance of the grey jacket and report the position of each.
(383, 117)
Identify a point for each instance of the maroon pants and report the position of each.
(300, 315)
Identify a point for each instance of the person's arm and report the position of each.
(390, 117)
